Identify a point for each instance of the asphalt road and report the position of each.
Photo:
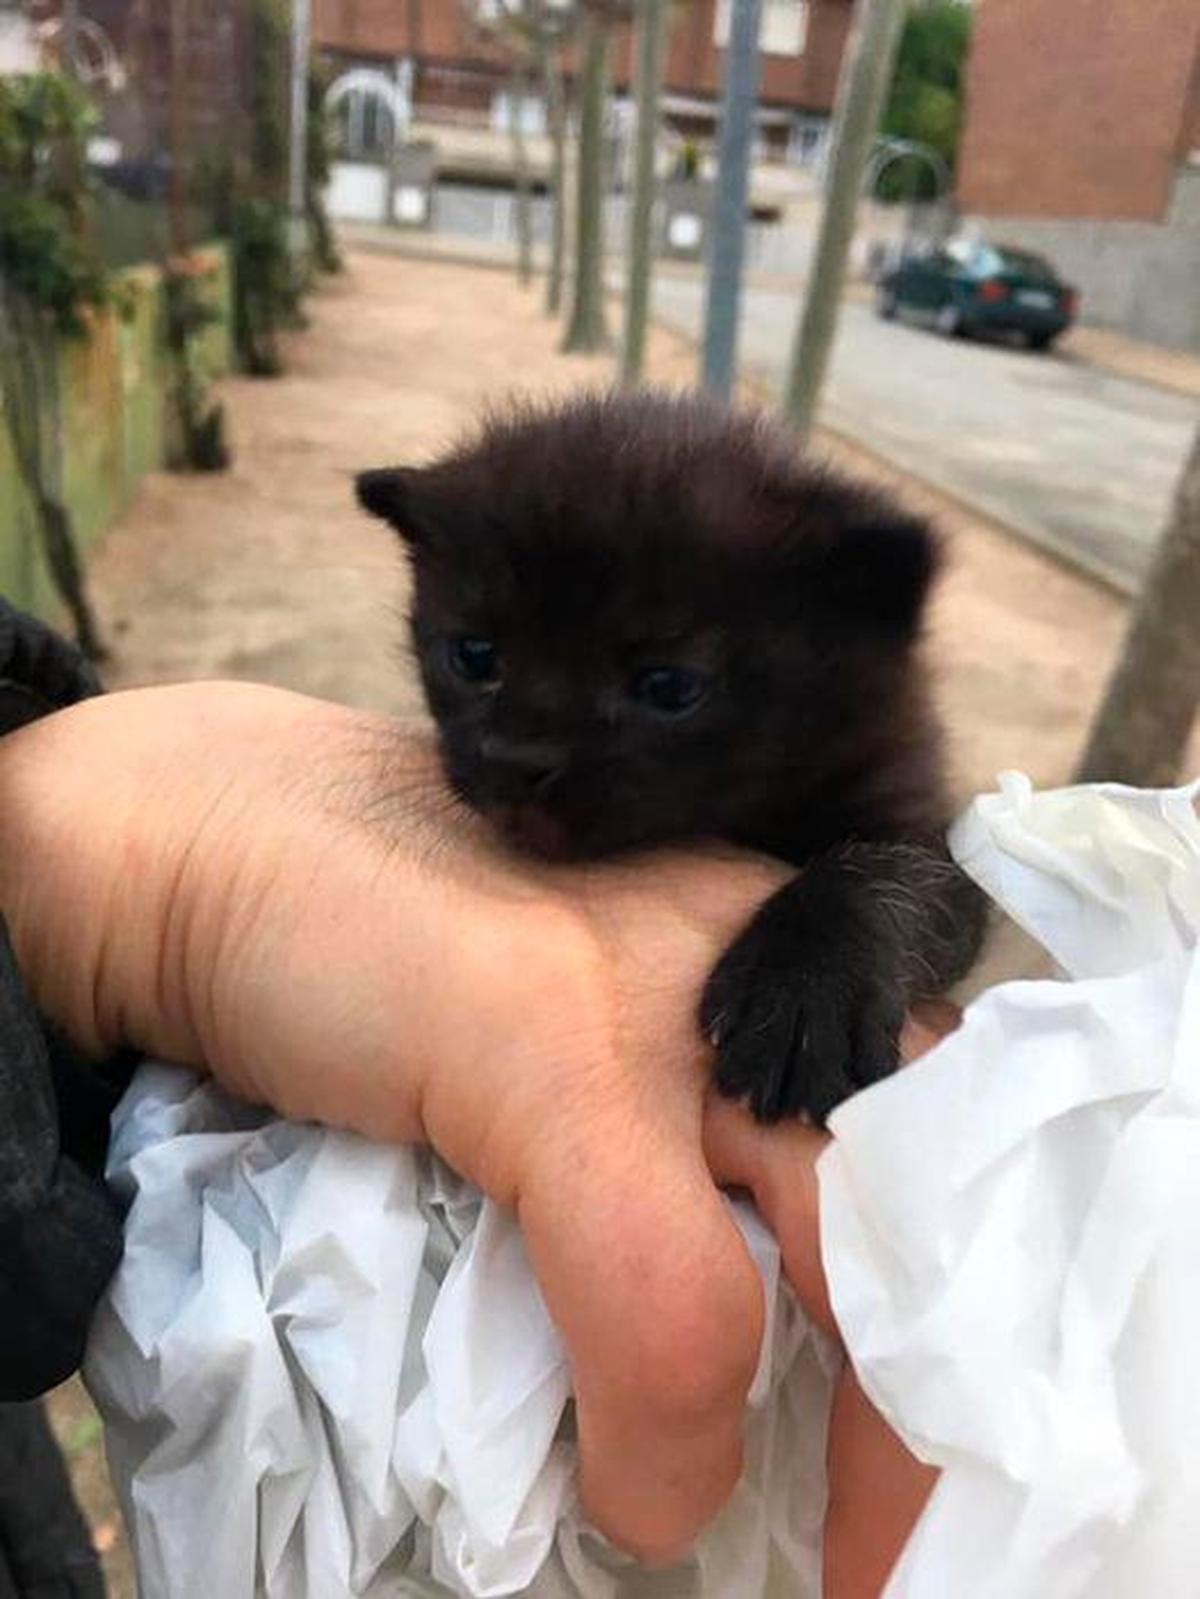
(1076, 459)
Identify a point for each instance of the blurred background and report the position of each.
(248, 247)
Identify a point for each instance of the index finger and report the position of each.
(777, 1165)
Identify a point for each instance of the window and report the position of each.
(782, 32)
(532, 112)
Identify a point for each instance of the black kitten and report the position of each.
(642, 619)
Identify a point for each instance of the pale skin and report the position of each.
(277, 890)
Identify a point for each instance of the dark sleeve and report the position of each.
(60, 1235)
(45, 1550)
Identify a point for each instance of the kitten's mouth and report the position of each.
(531, 828)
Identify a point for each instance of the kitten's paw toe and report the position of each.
(797, 1038)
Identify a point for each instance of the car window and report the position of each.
(985, 261)
(1023, 263)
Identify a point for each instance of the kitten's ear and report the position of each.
(394, 494)
(879, 567)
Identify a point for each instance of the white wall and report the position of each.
(357, 192)
(18, 47)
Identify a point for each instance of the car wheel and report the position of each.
(949, 321)
(1041, 341)
(887, 304)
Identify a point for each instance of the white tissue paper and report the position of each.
(326, 1369)
(1012, 1227)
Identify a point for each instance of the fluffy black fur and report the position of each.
(644, 619)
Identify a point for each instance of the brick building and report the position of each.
(136, 34)
(1082, 139)
(458, 77)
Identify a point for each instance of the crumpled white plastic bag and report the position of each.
(1012, 1228)
(326, 1368)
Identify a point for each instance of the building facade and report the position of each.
(1082, 139)
(459, 76)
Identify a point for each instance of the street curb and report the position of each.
(406, 248)
(1041, 539)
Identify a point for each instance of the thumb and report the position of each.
(661, 1309)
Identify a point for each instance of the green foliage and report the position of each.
(927, 91)
(47, 255)
(271, 54)
(267, 298)
(319, 159)
(266, 290)
(188, 310)
(51, 278)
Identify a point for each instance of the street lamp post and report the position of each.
(729, 206)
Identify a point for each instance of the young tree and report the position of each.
(866, 75)
(651, 48)
(522, 186)
(530, 33)
(508, 25)
(200, 444)
(550, 62)
(587, 329)
(1142, 727)
(548, 25)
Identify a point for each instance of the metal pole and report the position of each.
(738, 103)
(651, 52)
(866, 77)
(298, 153)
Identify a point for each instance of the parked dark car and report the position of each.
(970, 287)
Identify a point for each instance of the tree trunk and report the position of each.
(728, 243)
(556, 115)
(862, 93)
(522, 197)
(587, 330)
(68, 50)
(301, 42)
(180, 88)
(651, 50)
(1142, 727)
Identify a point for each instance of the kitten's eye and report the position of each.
(475, 659)
(669, 689)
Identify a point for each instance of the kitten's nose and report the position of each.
(524, 768)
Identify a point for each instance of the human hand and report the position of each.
(278, 891)
(877, 1489)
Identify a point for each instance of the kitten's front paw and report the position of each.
(804, 1010)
